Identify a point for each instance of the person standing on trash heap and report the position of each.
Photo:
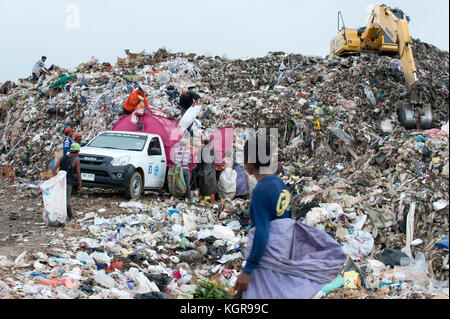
(182, 155)
(68, 140)
(188, 99)
(39, 70)
(284, 259)
(135, 100)
(207, 181)
(71, 164)
(5, 87)
(78, 138)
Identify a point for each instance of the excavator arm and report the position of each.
(387, 31)
(395, 31)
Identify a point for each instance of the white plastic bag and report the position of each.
(251, 182)
(190, 221)
(83, 256)
(102, 258)
(105, 280)
(369, 95)
(143, 285)
(189, 117)
(227, 183)
(54, 194)
(358, 244)
(222, 232)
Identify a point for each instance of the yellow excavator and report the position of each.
(387, 33)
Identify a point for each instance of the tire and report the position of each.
(135, 188)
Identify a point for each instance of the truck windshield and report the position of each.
(119, 141)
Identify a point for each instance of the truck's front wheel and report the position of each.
(134, 189)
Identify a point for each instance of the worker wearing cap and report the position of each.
(71, 164)
(78, 138)
(136, 100)
(68, 140)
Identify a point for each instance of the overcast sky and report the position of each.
(70, 32)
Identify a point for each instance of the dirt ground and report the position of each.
(28, 231)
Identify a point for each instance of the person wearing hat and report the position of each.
(71, 164)
(182, 154)
(68, 140)
(78, 138)
(39, 70)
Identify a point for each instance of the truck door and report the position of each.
(157, 164)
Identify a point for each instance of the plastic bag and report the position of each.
(104, 280)
(101, 258)
(340, 134)
(227, 183)
(54, 194)
(358, 244)
(85, 258)
(189, 117)
(222, 232)
(386, 126)
(175, 180)
(143, 285)
(251, 182)
(369, 94)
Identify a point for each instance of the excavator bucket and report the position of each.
(412, 119)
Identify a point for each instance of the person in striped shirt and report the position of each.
(39, 70)
(182, 155)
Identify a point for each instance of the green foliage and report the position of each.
(208, 290)
(328, 112)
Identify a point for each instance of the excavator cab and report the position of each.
(346, 41)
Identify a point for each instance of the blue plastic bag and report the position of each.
(442, 242)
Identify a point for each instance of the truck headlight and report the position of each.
(121, 161)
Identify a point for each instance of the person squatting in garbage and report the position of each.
(284, 259)
(39, 70)
(68, 140)
(136, 100)
(188, 99)
(182, 154)
(136, 104)
(71, 164)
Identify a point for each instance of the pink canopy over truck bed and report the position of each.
(165, 127)
(171, 134)
(222, 142)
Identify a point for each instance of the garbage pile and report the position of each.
(142, 250)
(381, 191)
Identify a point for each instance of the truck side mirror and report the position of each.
(83, 143)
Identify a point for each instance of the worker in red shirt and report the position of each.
(135, 100)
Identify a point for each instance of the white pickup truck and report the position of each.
(126, 160)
